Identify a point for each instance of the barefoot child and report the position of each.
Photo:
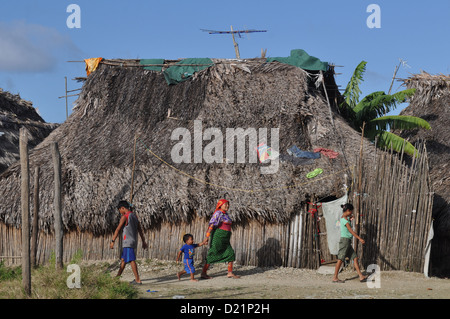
(131, 229)
(188, 260)
(345, 243)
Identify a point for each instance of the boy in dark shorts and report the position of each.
(188, 260)
(131, 228)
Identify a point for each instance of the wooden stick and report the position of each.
(34, 233)
(358, 198)
(67, 110)
(57, 207)
(25, 207)
(132, 172)
(236, 47)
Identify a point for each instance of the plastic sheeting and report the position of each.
(152, 64)
(303, 60)
(332, 213)
(184, 69)
(428, 251)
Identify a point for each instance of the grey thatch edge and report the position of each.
(432, 103)
(117, 103)
(14, 114)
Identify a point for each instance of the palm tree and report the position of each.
(370, 113)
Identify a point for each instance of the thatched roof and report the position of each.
(432, 103)
(14, 114)
(118, 102)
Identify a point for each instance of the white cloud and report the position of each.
(31, 47)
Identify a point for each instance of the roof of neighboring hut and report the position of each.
(14, 114)
(432, 103)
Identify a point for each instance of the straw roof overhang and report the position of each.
(14, 114)
(118, 103)
(432, 103)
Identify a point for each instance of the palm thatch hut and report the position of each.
(118, 144)
(14, 114)
(432, 103)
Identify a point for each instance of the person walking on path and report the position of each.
(188, 249)
(345, 244)
(131, 227)
(219, 231)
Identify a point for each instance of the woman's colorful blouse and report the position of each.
(218, 218)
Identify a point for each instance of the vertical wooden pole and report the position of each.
(393, 77)
(67, 111)
(358, 197)
(34, 233)
(236, 47)
(57, 207)
(25, 207)
(132, 171)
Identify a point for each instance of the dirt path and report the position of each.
(160, 282)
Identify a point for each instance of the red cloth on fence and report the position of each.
(326, 152)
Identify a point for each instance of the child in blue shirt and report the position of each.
(188, 260)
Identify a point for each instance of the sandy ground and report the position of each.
(160, 282)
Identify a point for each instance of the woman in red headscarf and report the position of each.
(220, 232)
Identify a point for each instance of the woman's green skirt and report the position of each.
(220, 250)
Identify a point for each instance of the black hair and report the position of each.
(346, 207)
(123, 203)
(186, 237)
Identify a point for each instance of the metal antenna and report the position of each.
(233, 32)
(402, 63)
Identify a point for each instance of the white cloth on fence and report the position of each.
(428, 251)
(332, 213)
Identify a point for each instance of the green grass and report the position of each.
(9, 273)
(47, 282)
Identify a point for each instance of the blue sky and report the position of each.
(35, 41)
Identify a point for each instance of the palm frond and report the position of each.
(379, 103)
(390, 140)
(352, 91)
(399, 122)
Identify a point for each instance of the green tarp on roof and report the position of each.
(185, 69)
(303, 60)
(152, 61)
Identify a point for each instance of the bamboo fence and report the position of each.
(395, 211)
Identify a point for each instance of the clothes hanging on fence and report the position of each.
(428, 250)
(332, 212)
(326, 152)
(295, 151)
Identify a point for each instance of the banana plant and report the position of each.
(371, 110)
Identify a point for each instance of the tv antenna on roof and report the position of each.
(233, 32)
